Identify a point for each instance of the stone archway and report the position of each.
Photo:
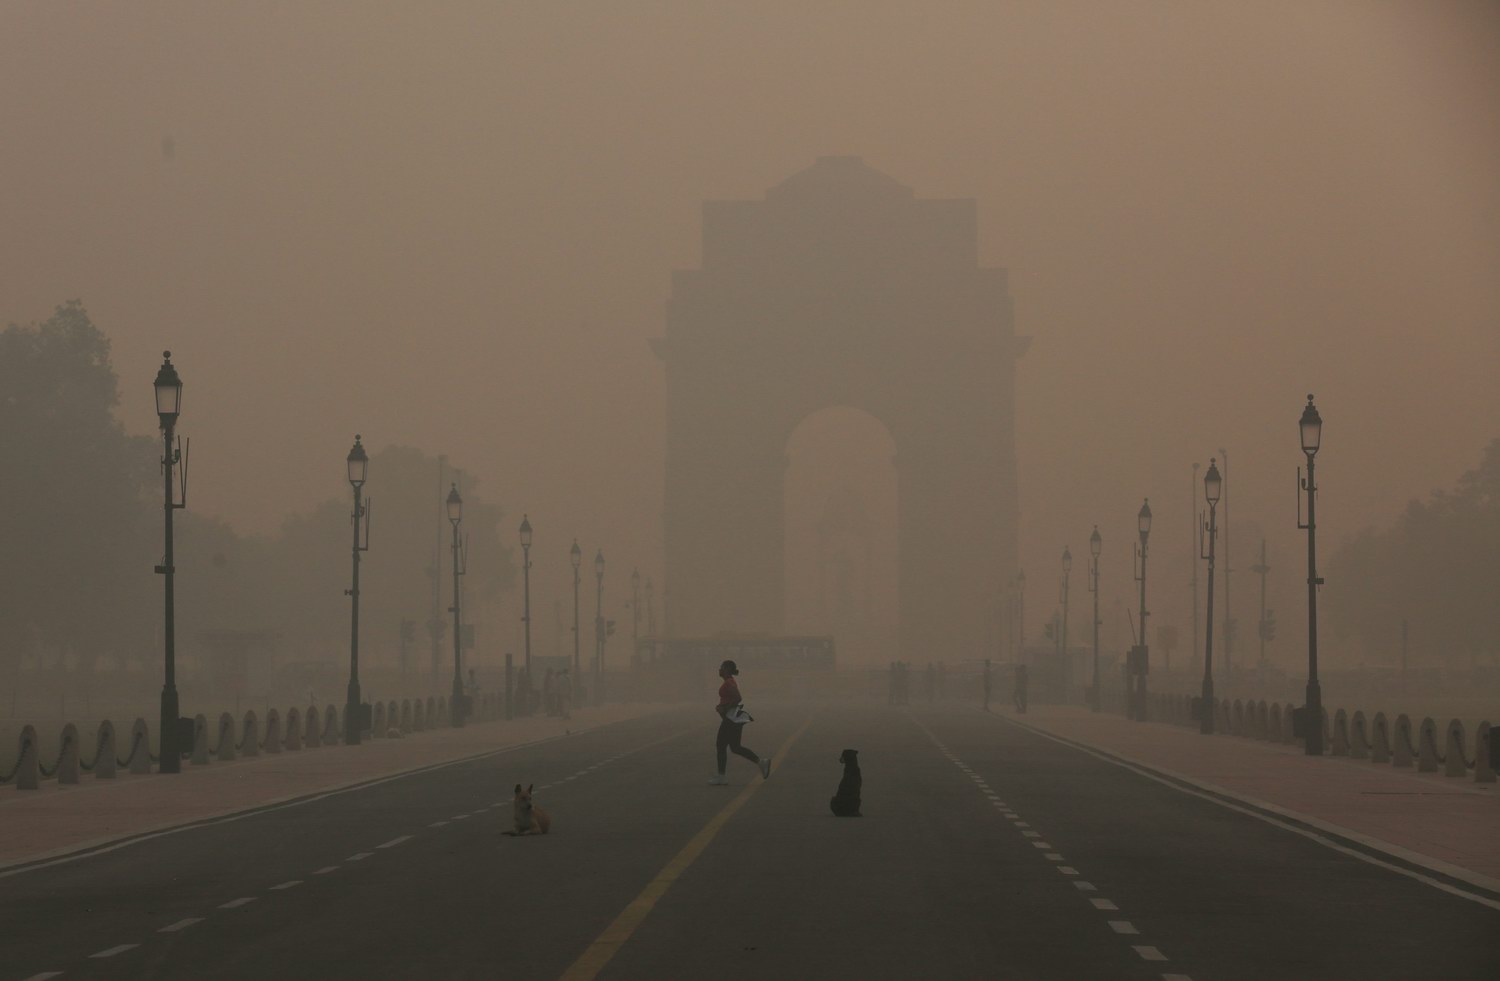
(840, 288)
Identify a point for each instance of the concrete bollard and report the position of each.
(430, 712)
(28, 776)
(1262, 713)
(1484, 767)
(442, 711)
(1221, 721)
(67, 758)
(1427, 751)
(1237, 718)
(1454, 763)
(250, 735)
(104, 752)
(1359, 739)
(140, 748)
(200, 740)
(272, 742)
(332, 734)
(313, 735)
(1340, 736)
(418, 720)
(293, 725)
(1380, 745)
(392, 714)
(405, 724)
(1273, 725)
(377, 720)
(225, 752)
(1402, 751)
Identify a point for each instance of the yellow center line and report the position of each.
(608, 943)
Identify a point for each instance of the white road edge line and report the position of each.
(357, 856)
(181, 924)
(1436, 865)
(112, 951)
(45, 975)
(396, 841)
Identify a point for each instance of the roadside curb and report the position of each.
(1443, 875)
(70, 853)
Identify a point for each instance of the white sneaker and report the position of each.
(718, 780)
(765, 768)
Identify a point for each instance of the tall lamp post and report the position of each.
(1096, 544)
(168, 407)
(1311, 425)
(1213, 487)
(635, 612)
(576, 557)
(455, 518)
(1142, 666)
(1229, 625)
(1062, 632)
(1020, 616)
(358, 465)
(599, 628)
(525, 533)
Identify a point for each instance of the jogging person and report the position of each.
(729, 731)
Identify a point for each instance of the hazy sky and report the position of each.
(453, 225)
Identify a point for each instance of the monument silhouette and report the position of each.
(840, 288)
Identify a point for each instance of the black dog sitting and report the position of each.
(845, 803)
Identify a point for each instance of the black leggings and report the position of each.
(729, 738)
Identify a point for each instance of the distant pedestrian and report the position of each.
(730, 709)
(1021, 684)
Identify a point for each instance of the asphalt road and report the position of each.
(986, 851)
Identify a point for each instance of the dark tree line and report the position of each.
(81, 517)
(1435, 567)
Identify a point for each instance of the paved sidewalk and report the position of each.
(1447, 821)
(59, 819)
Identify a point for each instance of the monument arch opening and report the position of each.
(840, 536)
(841, 287)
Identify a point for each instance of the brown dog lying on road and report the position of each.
(530, 819)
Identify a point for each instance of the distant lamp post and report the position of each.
(1311, 426)
(168, 408)
(635, 612)
(525, 533)
(1020, 616)
(576, 556)
(1062, 627)
(456, 700)
(599, 628)
(1096, 545)
(1213, 488)
(358, 469)
(1142, 653)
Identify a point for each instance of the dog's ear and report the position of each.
(518, 790)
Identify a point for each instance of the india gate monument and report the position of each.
(841, 288)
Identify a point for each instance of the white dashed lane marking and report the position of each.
(287, 885)
(1150, 954)
(1086, 886)
(1067, 870)
(396, 841)
(1123, 926)
(181, 924)
(237, 903)
(112, 951)
(438, 824)
(44, 976)
(326, 869)
(1103, 904)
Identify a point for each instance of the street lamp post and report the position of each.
(1062, 633)
(1213, 487)
(1020, 616)
(635, 612)
(576, 557)
(455, 518)
(1311, 426)
(1229, 625)
(525, 533)
(1096, 544)
(1142, 666)
(358, 465)
(599, 628)
(168, 407)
